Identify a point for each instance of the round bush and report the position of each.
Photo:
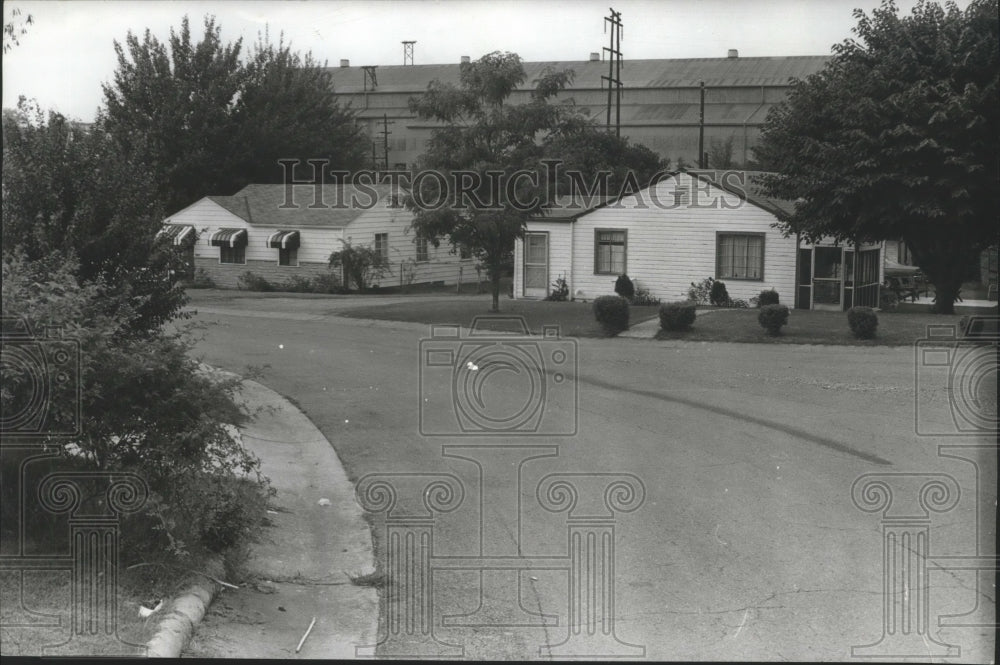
(677, 315)
(768, 297)
(719, 296)
(863, 322)
(772, 317)
(624, 286)
(612, 313)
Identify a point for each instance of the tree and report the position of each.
(15, 27)
(203, 121)
(720, 154)
(489, 158)
(897, 138)
(287, 109)
(361, 264)
(594, 159)
(70, 190)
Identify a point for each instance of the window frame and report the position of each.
(624, 270)
(464, 253)
(242, 254)
(718, 254)
(382, 249)
(294, 258)
(422, 243)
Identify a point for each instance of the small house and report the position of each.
(280, 232)
(687, 227)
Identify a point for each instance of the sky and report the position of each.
(68, 52)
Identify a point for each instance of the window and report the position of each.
(288, 257)
(232, 254)
(422, 249)
(464, 252)
(382, 245)
(739, 256)
(609, 251)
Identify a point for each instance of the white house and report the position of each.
(685, 228)
(282, 231)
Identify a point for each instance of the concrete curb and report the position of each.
(185, 612)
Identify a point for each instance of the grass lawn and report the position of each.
(810, 327)
(575, 319)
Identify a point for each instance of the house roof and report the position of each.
(266, 205)
(652, 73)
(746, 186)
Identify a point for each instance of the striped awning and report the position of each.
(229, 238)
(177, 234)
(284, 240)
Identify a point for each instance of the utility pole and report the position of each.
(614, 68)
(701, 129)
(408, 52)
(385, 138)
(370, 76)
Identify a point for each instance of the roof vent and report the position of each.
(595, 57)
(466, 59)
(733, 53)
(344, 62)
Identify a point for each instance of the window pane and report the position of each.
(534, 277)
(536, 249)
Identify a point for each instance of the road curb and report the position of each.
(185, 612)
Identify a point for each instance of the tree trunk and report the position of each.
(495, 290)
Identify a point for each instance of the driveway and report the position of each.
(748, 543)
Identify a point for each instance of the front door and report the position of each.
(536, 265)
(828, 279)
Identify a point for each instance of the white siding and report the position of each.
(207, 217)
(560, 254)
(668, 246)
(441, 266)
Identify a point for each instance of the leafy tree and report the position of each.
(146, 408)
(204, 122)
(170, 106)
(720, 153)
(360, 263)
(287, 109)
(592, 159)
(15, 27)
(897, 138)
(69, 190)
(492, 140)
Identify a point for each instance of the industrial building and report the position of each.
(660, 105)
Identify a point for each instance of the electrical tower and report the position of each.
(614, 69)
(408, 52)
(370, 76)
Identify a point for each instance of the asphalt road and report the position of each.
(747, 544)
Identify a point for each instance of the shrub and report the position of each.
(612, 313)
(772, 317)
(250, 281)
(768, 297)
(560, 290)
(700, 291)
(739, 304)
(643, 297)
(327, 283)
(298, 284)
(718, 295)
(362, 264)
(624, 286)
(863, 322)
(887, 299)
(677, 315)
(201, 280)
